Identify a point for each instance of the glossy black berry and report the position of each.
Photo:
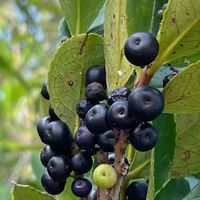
(44, 91)
(58, 135)
(51, 186)
(145, 103)
(121, 93)
(144, 137)
(81, 162)
(58, 168)
(137, 190)
(53, 115)
(96, 119)
(82, 107)
(95, 92)
(118, 115)
(81, 187)
(106, 141)
(46, 154)
(42, 127)
(84, 139)
(141, 48)
(96, 73)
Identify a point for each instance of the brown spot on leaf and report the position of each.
(187, 155)
(113, 16)
(70, 82)
(187, 13)
(173, 20)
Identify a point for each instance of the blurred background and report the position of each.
(28, 39)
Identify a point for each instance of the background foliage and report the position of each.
(28, 38)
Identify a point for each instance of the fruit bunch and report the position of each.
(101, 115)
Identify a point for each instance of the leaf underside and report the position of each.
(66, 74)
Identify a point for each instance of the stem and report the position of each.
(121, 139)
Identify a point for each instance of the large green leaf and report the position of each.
(164, 150)
(175, 189)
(179, 31)
(194, 194)
(162, 155)
(26, 192)
(118, 69)
(79, 14)
(187, 155)
(139, 13)
(66, 74)
(182, 93)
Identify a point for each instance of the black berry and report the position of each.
(51, 186)
(137, 190)
(141, 48)
(53, 115)
(42, 127)
(118, 115)
(44, 91)
(58, 135)
(96, 73)
(106, 141)
(144, 137)
(46, 154)
(84, 138)
(82, 107)
(95, 92)
(81, 162)
(58, 168)
(81, 187)
(96, 119)
(121, 93)
(145, 103)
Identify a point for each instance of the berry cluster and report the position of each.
(100, 116)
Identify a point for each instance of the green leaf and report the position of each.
(182, 93)
(185, 60)
(164, 149)
(194, 194)
(139, 159)
(175, 189)
(79, 14)
(24, 192)
(187, 156)
(66, 74)
(64, 29)
(139, 14)
(118, 69)
(179, 31)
